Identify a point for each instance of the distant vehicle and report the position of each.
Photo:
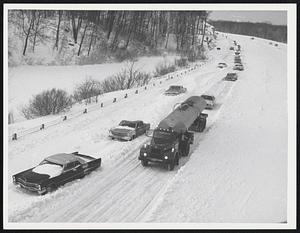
(218, 48)
(210, 101)
(56, 170)
(231, 77)
(128, 130)
(175, 90)
(237, 61)
(222, 65)
(237, 53)
(231, 48)
(270, 43)
(238, 67)
(276, 45)
(252, 38)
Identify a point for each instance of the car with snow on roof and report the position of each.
(128, 130)
(222, 65)
(238, 66)
(175, 90)
(56, 170)
(231, 77)
(210, 101)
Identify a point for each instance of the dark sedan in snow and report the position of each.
(231, 77)
(175, 90)
(238, 66)
(56, 170)
(128, 130)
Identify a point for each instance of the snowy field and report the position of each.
(26, 81)
(236, 171)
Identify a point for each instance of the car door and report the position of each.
(139, 128)
(69, 172)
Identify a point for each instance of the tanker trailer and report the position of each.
(172, 137)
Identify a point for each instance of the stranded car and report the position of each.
(222, 65)
(231, 77)
(210, 101)
(238, 66)
(56, 170)
(128, 130)
(218, 48)
(175, 90)
(231, 48)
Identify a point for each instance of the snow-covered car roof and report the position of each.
(63, 158)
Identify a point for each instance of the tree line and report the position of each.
(108, 30)
(263, 30)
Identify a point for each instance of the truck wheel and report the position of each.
(187, 150)
(144, 163)
(177, 158)
(202, 125)
(133, 137)
(171, 166)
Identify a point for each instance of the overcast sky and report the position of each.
(273, 17)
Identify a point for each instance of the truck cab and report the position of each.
(166, 147)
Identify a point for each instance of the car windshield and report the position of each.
(128, 124)
(174, 88)
(207, 97)
(161, 137)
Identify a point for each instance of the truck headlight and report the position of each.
(145, 154)
(173, 149)
(166, 157)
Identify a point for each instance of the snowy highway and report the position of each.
(122, 190)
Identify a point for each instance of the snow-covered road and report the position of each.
(121, 190)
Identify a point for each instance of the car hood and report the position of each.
(172, 92)
(32, 177)
(122, 129)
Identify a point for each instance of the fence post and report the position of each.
(171, 77)
(101, 105)
(65, 118)
(14, 136)
(137, 91)
(115, 100)
(160, 82)
(153, 84)
(145, 87)
(42, 127)
(85, 110)
(126, 95)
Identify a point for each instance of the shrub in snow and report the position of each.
(48, 102)
(164, 68)
(87, 89)
(125, 79)
(181, 62)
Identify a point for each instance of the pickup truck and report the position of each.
(56, 170)
(128, 130)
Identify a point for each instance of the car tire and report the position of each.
(171, 166)
(144, 163)
(50, 188)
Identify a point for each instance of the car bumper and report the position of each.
(120, 137)
(29, 188)
(155, 160)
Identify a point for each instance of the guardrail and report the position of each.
(153, 83)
